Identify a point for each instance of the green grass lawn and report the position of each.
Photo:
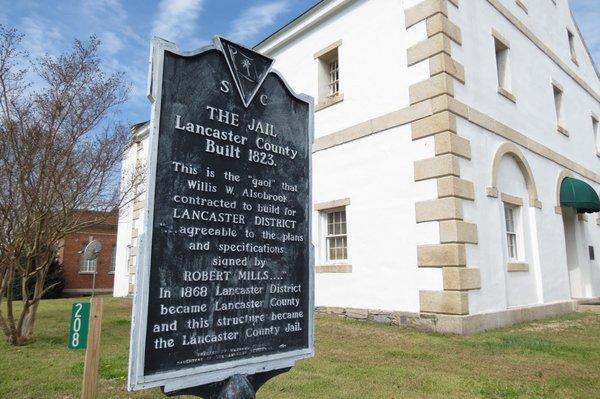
(557, 358)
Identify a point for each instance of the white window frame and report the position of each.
(113, 259)
(334, 76)
(514, 232)
(559, 100)
(502, 55)
(329, 85)
(87, 266)
(596, 131)
(325, 236)
(572, 50)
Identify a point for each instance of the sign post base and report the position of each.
(239, 386)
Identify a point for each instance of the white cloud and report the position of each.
(123, 49)
(40, 36)
(176, 20)
(109, 16)
(111, 43)
(256, 18)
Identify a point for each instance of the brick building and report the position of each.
(79, 273)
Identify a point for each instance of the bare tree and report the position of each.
(60, 152)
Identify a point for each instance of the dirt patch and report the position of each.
(555, 326)
(593, 308)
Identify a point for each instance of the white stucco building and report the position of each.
(444, 130)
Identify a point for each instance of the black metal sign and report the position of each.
(225, 277)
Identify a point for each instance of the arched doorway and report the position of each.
(512, 182)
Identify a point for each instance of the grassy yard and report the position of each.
(558, 358)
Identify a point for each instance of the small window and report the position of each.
(596, 136)
(510, 217)
(336, 240)
(328, 76)
(502, 65)
(86, 266)
(571, 38)
(113, 259)
(558, 105)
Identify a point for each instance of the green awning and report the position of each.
(577, 194)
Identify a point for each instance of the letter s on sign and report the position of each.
(225, 86)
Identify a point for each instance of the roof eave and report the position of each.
(322, 10)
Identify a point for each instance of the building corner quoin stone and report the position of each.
(450, 255)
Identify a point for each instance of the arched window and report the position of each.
(86, 266)
(512, 150)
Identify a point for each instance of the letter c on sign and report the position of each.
(263, 99)
(225, 86)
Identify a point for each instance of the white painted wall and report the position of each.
(136, 152)
(376, 172)
(548, 278)
(533, 115)
(532, 73)
(549, 22)
(374, 78)
(382, 234)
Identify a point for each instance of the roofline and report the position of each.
(292, 22)
(324, 9)
(587, 49)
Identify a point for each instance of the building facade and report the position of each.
(444, 131)
(131, 215)
(82, 276)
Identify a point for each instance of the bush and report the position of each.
(55, 276)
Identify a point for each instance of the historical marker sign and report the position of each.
(225, 279)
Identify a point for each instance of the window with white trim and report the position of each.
(558, 105)
(502, 65)
(595, 131)
(336, 240)
(510, 228)
(113, 259)
(86, 266)
(329, 77)
(571, 38)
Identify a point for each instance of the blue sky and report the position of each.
(126, 26)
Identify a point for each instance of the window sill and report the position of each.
(329, 101)
(522, 6)
(517, 267)
(562, 130)
(88, 272)
(507, 94)
(333, 268)
(111, 272)
(575, 61)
